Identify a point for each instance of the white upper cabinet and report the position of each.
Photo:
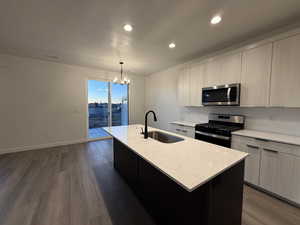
(183, 90)
(213, 71)
(224, 70)
(197, 74)
(285, 78)
(255, 78)
(269, 75)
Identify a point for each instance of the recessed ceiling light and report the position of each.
(172, 45)
(127, 27)
(216, 20)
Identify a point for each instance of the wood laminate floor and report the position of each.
(77, 185)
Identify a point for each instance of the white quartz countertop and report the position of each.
(190, 162)
(282, 138)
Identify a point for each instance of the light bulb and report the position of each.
(127, 27)
(172, 45)
(216, 20)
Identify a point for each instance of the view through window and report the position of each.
(108, 106)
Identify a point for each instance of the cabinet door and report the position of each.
(285, 78)
(126, 162)
(231, 67)
(168, 202)
(252, 162)
(183, 93)
(224, 70)
(280, 174)
(212, 73)
(256, 73)
(294, 174)
(197, 74)
(270, 170)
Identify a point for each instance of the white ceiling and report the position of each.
(90, 32)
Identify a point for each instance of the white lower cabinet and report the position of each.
(272, 166)
(183, 130)
(280, 174)
(294, 181)
(252, 162)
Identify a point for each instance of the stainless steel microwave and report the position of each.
(223, 95)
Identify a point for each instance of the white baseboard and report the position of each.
(41, 146)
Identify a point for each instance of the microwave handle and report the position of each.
(228, 94)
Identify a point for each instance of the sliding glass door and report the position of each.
(107, 106)
(119, 104)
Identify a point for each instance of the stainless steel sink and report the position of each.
(164, 137)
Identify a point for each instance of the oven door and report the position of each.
(213, 138)
(221, 95)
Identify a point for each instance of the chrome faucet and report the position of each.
(146, 123)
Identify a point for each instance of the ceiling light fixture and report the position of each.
(172, 45)
(216, 20)
(127, 27)
(123, 80)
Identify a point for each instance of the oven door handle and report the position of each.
(213, 135)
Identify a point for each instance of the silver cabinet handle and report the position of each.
(178, 129)
(271, 150)
(252, 146)
(260, 139)
(184, 131)
(213, 135)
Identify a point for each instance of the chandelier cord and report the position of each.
(121, 71)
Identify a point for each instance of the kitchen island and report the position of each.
(187, 182)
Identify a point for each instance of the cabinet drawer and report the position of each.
(183, 130)
(283, 148)
(241, 140)
(266, 144)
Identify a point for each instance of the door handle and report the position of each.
(252, 146)
(271, 150)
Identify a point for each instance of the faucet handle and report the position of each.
(142, 131)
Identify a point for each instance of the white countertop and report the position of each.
(190, 163)
(282, 138)
(185, 123)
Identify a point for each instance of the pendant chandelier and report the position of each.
(123, 80)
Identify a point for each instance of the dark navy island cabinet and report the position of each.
(217, 202)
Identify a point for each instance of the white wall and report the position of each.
(45, 103)
(161, 94)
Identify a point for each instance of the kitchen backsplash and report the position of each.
(279, 120)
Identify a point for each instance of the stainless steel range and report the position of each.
(218, 129)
